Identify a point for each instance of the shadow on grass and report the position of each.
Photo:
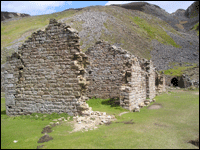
(113, 102)
(3, 112)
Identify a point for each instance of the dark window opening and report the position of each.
(90, 72)
(156, 83)
(174, 81)
(9, 106)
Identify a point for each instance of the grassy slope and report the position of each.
(135, 36)
(170, 127)
(178, 70)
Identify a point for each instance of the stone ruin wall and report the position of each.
(46, 75)
(133, 94)
(106, 72)
(114, 72)
(160, 83)
(151, 81)
(147, 66)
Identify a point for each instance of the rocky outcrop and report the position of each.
(12, 15)
(192, 10)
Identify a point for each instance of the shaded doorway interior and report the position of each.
(174, 81)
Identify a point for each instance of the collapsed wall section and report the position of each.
(115, 73)
(47, 73)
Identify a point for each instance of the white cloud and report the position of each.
(69, 2)
(118, 2)
(169, 6)
(32, 7)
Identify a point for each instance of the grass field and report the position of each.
(172, 126)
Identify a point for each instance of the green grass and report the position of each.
(177, 70)
(26, 129)
(167, 128)
(153, 32)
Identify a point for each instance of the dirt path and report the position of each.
(122, 113)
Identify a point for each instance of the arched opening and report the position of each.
(174, 81)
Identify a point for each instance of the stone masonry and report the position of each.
(46, 74)
(116, 73)
(160, 83)
(147, 65)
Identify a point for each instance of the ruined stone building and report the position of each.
(50, 73)
(46, 75)
(114, 72)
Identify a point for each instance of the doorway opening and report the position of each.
(174, 81)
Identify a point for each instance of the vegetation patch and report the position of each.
(178, 70)
(153, 32)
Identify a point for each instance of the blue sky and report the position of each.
(47, 7)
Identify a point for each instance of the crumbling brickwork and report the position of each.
(46, 75)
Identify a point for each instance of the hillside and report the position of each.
(6, 16)
(147, 32)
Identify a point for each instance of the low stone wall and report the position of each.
(46, 75)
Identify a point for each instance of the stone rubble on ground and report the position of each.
(91, 120)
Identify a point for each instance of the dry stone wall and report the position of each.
(46, 74)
